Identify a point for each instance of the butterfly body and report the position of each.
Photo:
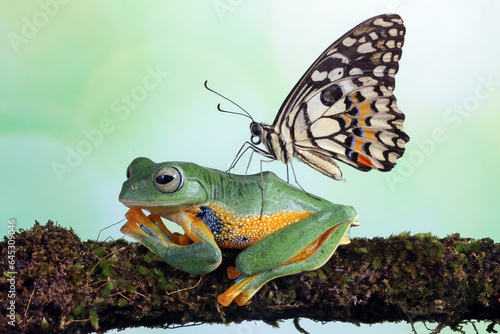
(343, 107)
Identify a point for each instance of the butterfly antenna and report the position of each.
(245, 113)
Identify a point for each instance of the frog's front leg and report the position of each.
(302, 246)
(198, 258)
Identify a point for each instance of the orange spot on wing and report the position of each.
(358, 145)
(362, 121)
(364, 109)
(364, 161)
(369, 134)
(353, 98)
(346, 119)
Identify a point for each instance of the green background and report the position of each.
(86, 86)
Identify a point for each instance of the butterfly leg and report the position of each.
(257, 150)
(243, 149)
(297, 182)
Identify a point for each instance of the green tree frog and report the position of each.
(287, 233)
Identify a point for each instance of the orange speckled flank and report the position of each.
(240, 232)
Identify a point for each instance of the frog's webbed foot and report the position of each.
(138, 223)
(237, 292)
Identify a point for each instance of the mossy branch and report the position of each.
(64, 285)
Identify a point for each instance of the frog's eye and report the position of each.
(128, 172)
(168, 179)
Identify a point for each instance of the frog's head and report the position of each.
(163, 187)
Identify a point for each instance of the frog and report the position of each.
(287, 232)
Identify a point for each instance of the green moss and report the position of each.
(439, 251)
(105, 269)
(347, 279)
(327, 270)
(110, 285)
(127, 266)
(94, 318)
(122, 302)
(162, 284)
(142, 270)
(149, 257)
(383, 276)
(78, 266)
(45, 269)
(468, 246)
(101, 252)
(130, 289)
(151, 280)
(360, 251)
(157, 299)
(320, 273)
(79, 309)
(45, 325)
(159, 273)
(120, 282)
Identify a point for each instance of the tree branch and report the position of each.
(61, 284)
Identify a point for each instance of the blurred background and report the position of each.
(87, 86)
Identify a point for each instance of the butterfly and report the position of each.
(343, 107)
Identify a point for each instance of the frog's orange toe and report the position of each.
(235, 290)
(224, 299)
(135, 218)
(132, 213)
(242, 299)
(232, 272)
(181, 239)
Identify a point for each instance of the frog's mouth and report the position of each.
(155, 208)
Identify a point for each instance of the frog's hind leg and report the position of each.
(313, 256)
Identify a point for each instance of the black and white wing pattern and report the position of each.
(343, 107)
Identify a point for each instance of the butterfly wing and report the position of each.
(343, 106)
